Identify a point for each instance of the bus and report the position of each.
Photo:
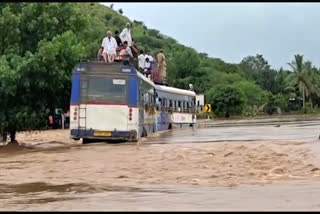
(176, 107)
(114, 101)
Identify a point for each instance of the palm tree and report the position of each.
(302, 77)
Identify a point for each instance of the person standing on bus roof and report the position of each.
(117, 38)
(141, 61)
(161, 63)
(148, 55)
(134, 49)
(125, 35)
(109, 45)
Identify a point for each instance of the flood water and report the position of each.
(243, 167)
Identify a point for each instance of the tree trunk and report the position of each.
(227, 114)
(310, 100)
(4, 136)
(303, 99)
(12, 136)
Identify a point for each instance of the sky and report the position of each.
(232, 31)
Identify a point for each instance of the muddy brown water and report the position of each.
(221, 168)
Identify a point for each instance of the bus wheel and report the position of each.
(76, 138)
(86, 141)
(170, 126)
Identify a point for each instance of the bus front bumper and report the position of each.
(95, 134)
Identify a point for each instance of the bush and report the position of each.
(308, 108)
(108, 17)
(254, 95)
(275, 101)
(226, 100)
(117, 21)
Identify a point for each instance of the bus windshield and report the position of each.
(105, 89)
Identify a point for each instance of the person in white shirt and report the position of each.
(109, 45)
(148, 61)
(125, 35)
(148, 55)
(141, 61)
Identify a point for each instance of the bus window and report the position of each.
(141, 97)
(146, 97)
(163, 104)
(105, 89)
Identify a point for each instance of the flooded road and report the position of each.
(288, 197)
(265, 167)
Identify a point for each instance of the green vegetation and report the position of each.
(40, 44)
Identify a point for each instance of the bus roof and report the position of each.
(109, 68)
(145, 79)
(175, 90)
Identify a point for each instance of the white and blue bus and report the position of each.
(116, 102)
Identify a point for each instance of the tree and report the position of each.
(257, 68)
(36, 60)
(183, 67)
(302, 78)
(226, 100)
(280, 82)
(253, 94)
(120, 11)
(111, 6)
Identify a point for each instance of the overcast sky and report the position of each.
(232, 31)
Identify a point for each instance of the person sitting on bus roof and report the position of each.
(99, 55)
(125, 35)
(128, 52)
(117, 38)
(120, 53)
(109, 45)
